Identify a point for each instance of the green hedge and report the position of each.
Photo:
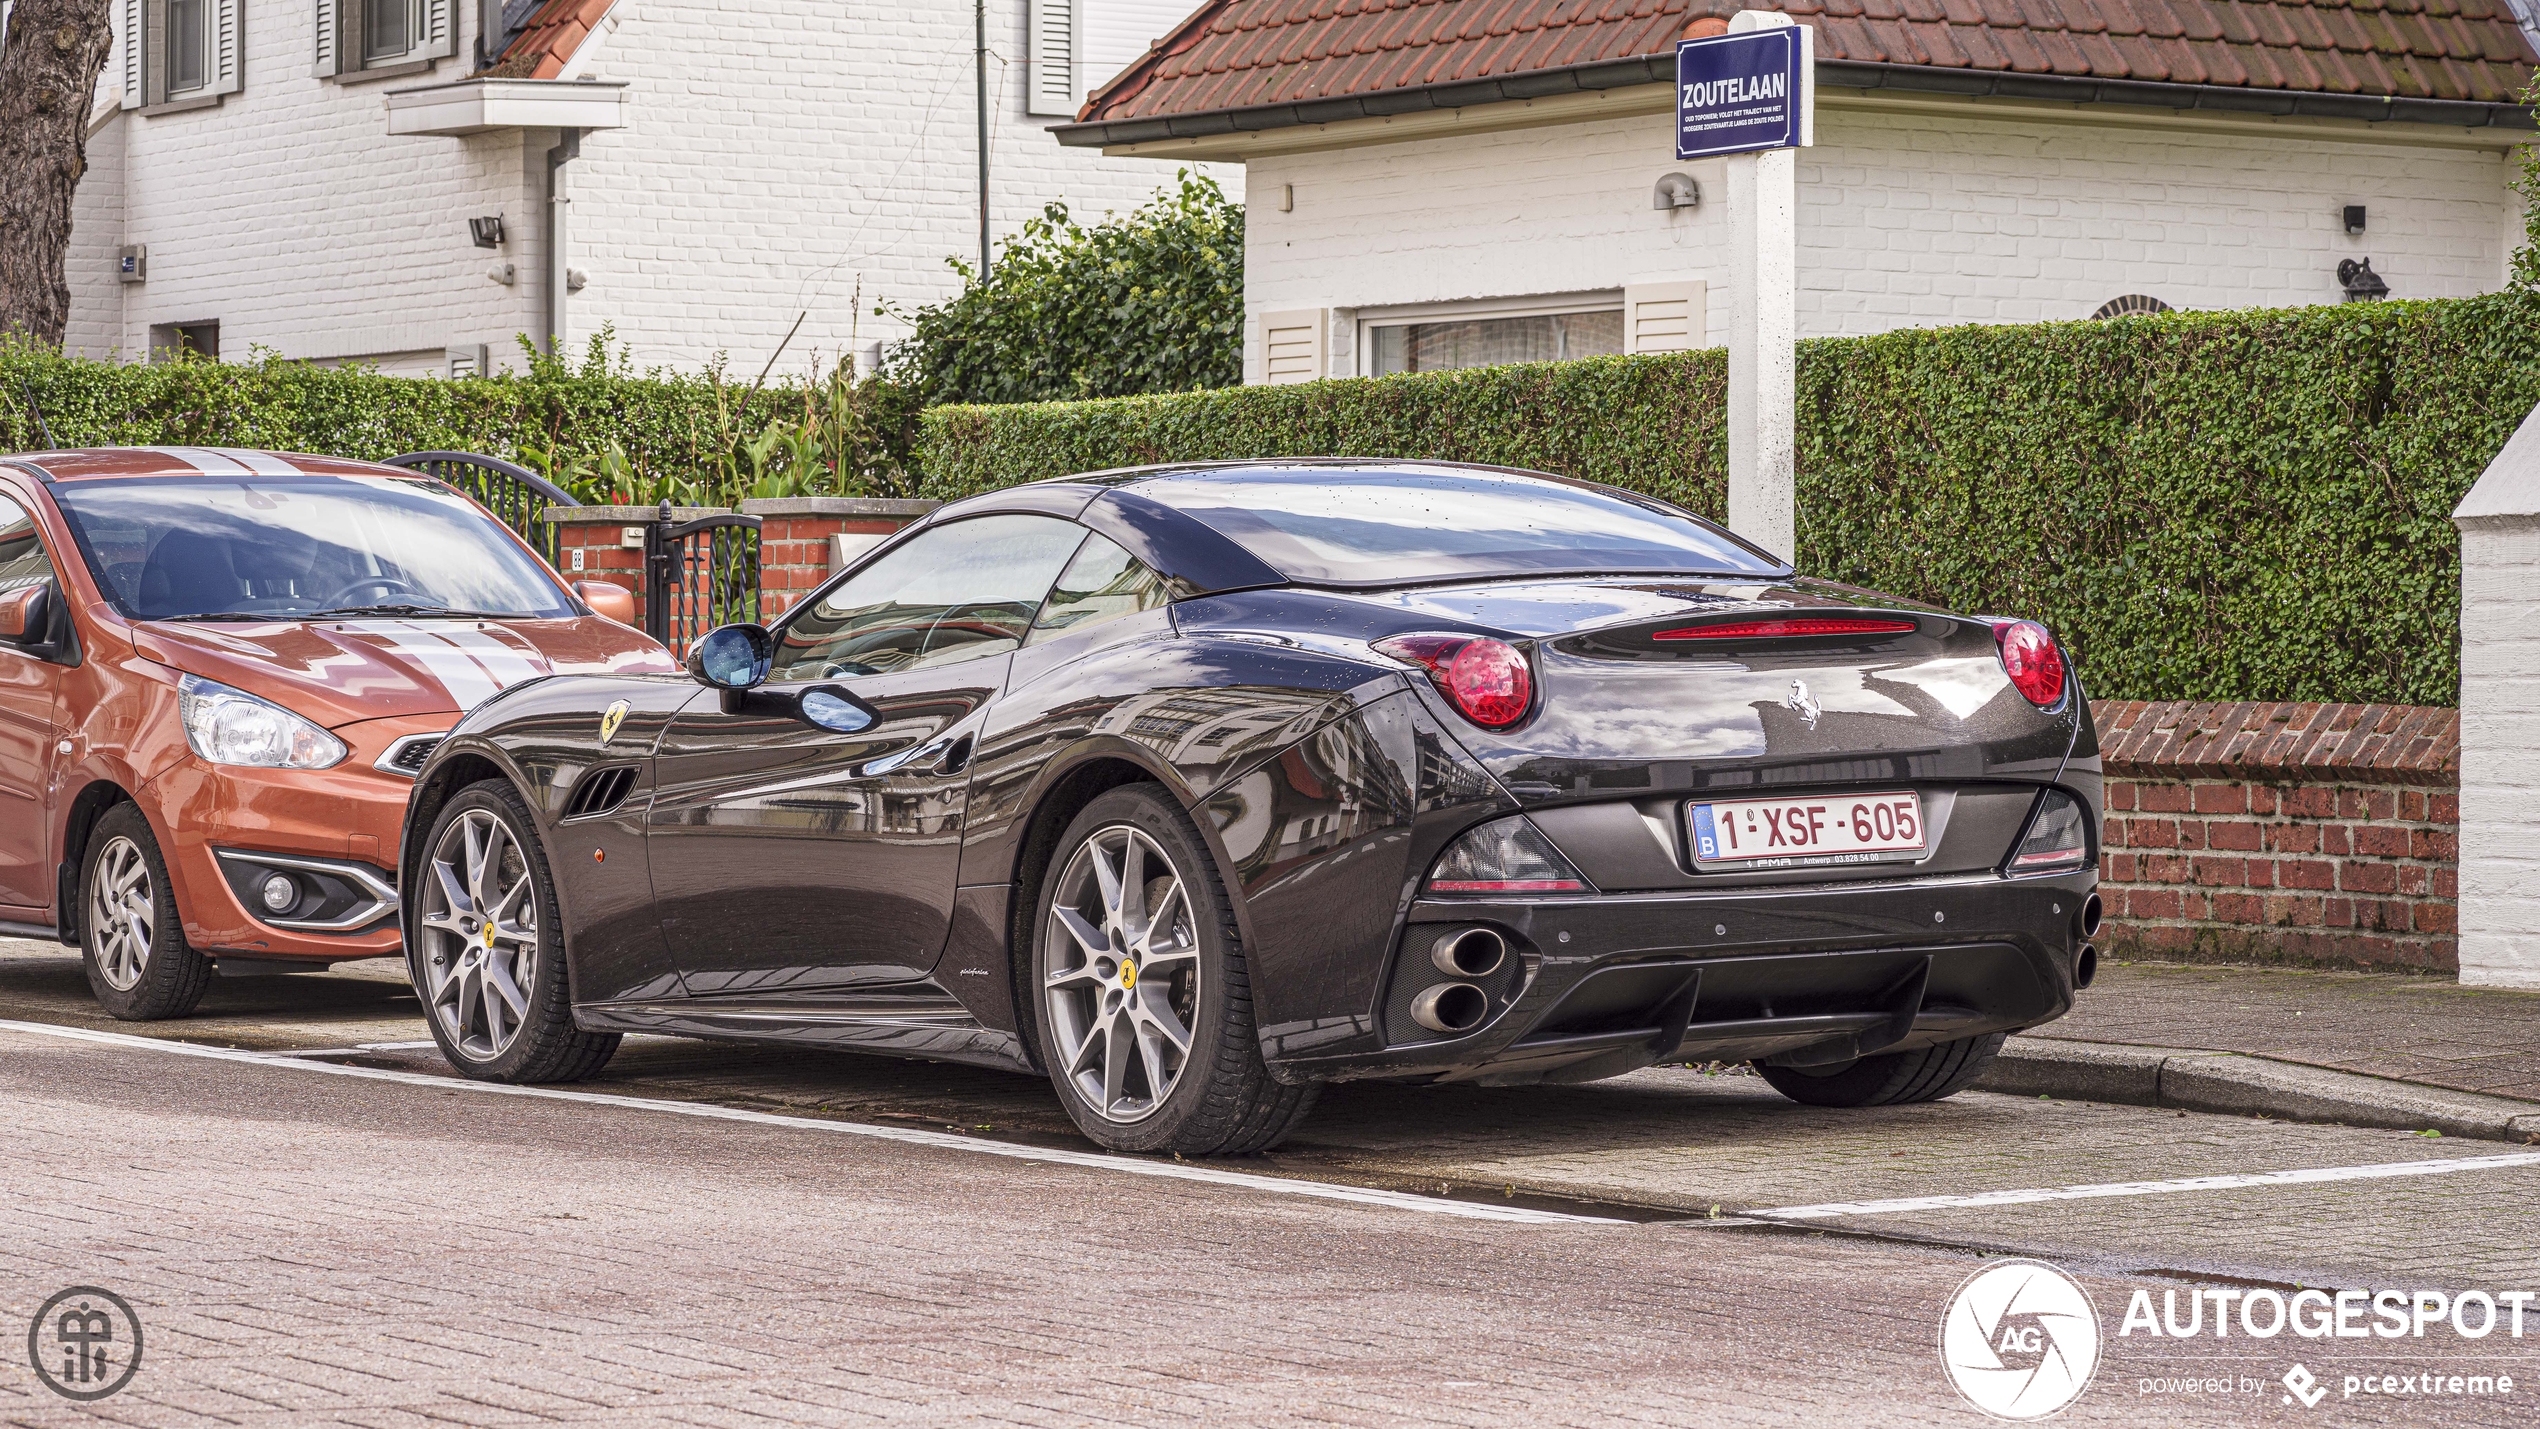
(2227, 506)
(595, 427)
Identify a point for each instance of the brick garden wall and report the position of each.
(794, 541)
(2284, 833)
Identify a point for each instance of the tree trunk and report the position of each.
(48, 83)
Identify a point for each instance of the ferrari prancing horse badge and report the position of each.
(610, 719)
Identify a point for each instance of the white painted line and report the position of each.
(2309, 1177)
(943, 1141)
(395, 1046)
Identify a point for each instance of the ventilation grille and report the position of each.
(600, 792)
(410, 756)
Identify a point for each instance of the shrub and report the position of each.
(2247, 505)
(602, 431)
(1149, 302)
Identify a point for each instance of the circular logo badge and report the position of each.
(85, 1343)
(2020, 1340)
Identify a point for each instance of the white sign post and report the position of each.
(1751, 94)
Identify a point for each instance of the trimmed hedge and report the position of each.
(2226, 506)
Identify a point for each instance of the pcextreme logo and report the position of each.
(2020, 1340)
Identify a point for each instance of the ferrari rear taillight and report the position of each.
(1790, 628)
(2032, 660)
(2058, 836)
(1486, 680)
(1501, 857)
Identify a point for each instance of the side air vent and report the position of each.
(600, 792)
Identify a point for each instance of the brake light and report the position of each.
(2032, 660)
(2058, 837)
(1783, 629)
(1486, 680)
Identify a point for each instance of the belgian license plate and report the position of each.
(1851, 828)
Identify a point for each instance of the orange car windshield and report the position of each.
(297, 548)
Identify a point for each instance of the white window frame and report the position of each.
(144, 27)
(1544, 305)
(432, 33)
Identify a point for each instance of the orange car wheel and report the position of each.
(139, 964)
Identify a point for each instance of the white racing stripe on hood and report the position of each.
(260, 463)
(204, 460)
(466, 677)
(506, 664)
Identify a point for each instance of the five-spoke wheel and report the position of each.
(1143, 1002)
(484, 950)
(1121, 1006)
(480, 939)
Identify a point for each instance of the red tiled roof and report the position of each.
(1241, 54)
(553, 33)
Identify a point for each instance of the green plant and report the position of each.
(2246, 505)
(593, 425)
(1147, 302)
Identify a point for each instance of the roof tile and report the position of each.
(1245, 52)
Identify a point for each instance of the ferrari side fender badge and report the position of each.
(615, 715)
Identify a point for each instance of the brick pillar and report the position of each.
(599, 536)
(803, 538)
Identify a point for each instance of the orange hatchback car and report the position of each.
(219, 670)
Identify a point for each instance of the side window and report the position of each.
(23, 561)
(1103, 583)
(954, 593)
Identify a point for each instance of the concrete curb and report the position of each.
(2233, 1084)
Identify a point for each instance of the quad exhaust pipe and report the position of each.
(1469, 952)
(2091, 911)
(1450, 1007)
(2085, 967)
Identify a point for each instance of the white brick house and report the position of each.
(299, 176)
(1438, 182)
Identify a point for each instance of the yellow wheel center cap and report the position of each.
(1128, 973)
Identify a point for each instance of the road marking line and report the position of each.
(2308, 1177)
(945, 1141)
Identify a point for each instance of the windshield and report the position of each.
(1348, 527)
(298, 547)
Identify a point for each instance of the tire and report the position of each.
(131, 940)
(1892, 1079)
(1218, 1098)
(493, 987)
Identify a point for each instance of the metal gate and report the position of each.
(698, 574)
(519, 499)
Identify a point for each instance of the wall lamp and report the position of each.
(488, 232)
(2361, 283)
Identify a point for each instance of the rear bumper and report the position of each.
(1597, 986)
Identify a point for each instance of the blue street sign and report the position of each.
(1739, 93)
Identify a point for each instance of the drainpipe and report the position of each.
(568, 148)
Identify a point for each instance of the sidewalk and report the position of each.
(2367, 1049)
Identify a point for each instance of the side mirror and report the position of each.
(607, 598)
(732, 657)
(26, 615)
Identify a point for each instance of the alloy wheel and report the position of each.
(480, 934)
(123, 913)
(1123, 987)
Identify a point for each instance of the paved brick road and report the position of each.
(308, 1248)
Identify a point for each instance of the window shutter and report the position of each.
(225, 46)
(1051, 28)
(131, 53)
(330, 41)
(1292, 345)
(1664, 317)
(438, 35)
